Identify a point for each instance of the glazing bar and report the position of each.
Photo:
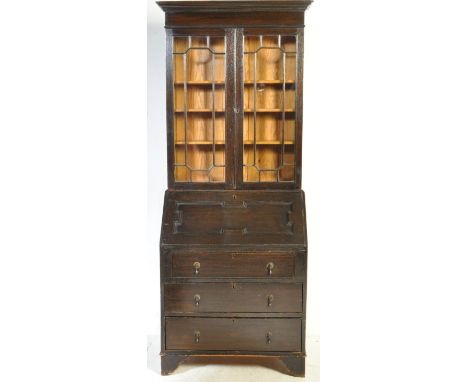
(283, 111)
(255, 110)
(185, 113)
(213, 117)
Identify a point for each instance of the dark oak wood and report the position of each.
(237, 6)
(299, 76)
(233, 249)
(293, 365)
(170, 362)
(233, 297)
(234, 217)
(261, 265)
(243, 334)
(266, 19)
(170, 108)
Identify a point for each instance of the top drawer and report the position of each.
(233, 265)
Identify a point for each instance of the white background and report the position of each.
(385, 173)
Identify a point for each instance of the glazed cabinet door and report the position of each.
(199, 110)
(269, 94)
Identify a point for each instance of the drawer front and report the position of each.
(233, 265)
(245, 334)
(233, 297)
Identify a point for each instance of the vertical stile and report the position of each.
(299, 60)
(238, 125)
(170, 115)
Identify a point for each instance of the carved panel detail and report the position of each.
(227, 218)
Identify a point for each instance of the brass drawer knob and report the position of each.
(270, 267)
(197, 336)
(268, 337)
(196, 299)
(270, 300)
(196, 267)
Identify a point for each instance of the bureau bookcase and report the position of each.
(233, 249)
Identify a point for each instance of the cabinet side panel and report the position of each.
(169, 109)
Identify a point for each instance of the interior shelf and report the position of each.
(248, 142)
(269, 110)
(197, 143)
(268, 142)
(200, 82)
(269, 82)
(199, 111)
(246, 82)
(245, 111)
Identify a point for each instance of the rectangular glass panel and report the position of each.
(269, 129)
(199, 108)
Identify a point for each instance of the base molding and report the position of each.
(293, 365)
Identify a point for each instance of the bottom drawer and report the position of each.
(246, 334)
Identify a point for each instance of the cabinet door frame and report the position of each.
(234, 107)
(239, 108)
(229, 35)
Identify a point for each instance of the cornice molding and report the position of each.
(210, 6)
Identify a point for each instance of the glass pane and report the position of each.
(269, 108)
(288, 43)
(180, 44)
(199, 108)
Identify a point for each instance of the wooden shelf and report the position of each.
(245, 111)
(199, 143)
(248, 82)
(199, 111)
(269, 110)
(250, 143)
(200, 82)
(247, 143)
(269, 82)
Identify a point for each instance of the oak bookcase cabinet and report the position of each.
(233, 237)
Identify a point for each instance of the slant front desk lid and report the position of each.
(234, 218)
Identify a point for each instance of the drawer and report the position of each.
(246, 334)
(233, 265)
(233, 297)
